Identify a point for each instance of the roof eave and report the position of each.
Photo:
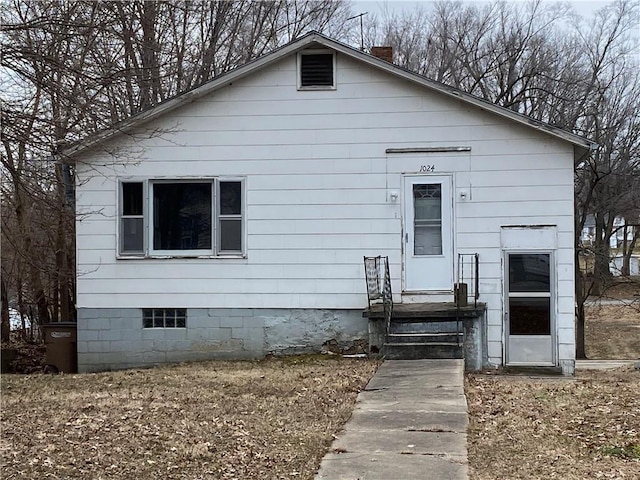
(460, 95)
(228, 78)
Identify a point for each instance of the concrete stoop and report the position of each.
(419, 338)
(421, 350)
(410, 422)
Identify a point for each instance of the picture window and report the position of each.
(182, 214)
(182, 217)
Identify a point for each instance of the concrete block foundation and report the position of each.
(110, 339)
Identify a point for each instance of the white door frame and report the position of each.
(438, 269)
(534, 350)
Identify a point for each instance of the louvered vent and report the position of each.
(316, 70)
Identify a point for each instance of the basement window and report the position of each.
(316, 70)
(164, 318)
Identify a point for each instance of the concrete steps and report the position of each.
(421, 351)
(440, 337)
(417, 338)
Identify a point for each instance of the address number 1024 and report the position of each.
(427, 168)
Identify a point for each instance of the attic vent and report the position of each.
(317, 70)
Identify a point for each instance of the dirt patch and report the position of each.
(612, 332)
(564, 428)
(269, 420)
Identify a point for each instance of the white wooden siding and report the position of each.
(318, 184)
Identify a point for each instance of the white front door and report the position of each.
(529, 308)
(428, 239)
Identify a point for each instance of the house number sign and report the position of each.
(427, 168)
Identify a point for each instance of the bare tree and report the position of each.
(70, 69)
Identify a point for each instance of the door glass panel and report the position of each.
(529, 316)
(427, 219)
(529, 272)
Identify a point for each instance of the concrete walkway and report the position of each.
(604, 364)
(611, 301)
(410, 422)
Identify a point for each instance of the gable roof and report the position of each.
(317, 39)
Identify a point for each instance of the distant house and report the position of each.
(588, 234)
(240, 229)
(616, 243)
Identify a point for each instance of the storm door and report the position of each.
(428, 233)
(529, 308)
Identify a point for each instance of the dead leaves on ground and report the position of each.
(528, 428)
(613, 331)
(223, 420)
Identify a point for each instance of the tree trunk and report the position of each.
(5, 324)
(581, 296)
(626, 257)
(601, 272)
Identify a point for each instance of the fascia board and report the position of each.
(583, 144)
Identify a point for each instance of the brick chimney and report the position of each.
(383, 53)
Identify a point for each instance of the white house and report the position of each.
(232, 221)
(616, 240)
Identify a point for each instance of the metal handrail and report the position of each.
(378, 280)
(461, 288)
(468, 275)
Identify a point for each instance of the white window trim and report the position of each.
(149, 252)
(551, 295)
(183, 253)
(242, 217)
(119, 208)
(299, 70)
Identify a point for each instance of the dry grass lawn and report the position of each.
(612, 332)
(587, 427)
(564, 428)
(272, 419)
(622, 288)
(275, 419)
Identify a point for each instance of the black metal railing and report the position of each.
(467, 285)
(379, 284)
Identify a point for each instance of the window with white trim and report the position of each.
(181, 217)
(132, 217)
(164, 318)
(186, 217)
(316, 70)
